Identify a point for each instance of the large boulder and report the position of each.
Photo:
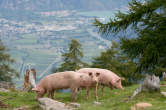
(50, 104)
(150, 83)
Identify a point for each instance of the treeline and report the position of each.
(6, 72)
(112, 59)
(131, 57)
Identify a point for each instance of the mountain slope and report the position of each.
(39, 5)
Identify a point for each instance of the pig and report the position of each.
(106, 78)
(64, 80)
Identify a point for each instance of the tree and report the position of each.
(6, 72)
(148, 19)
(72, 59)
(113, 59)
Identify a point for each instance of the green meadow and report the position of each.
(110, 99)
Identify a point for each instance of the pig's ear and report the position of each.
(118, 80)
(35, 89)
(97, 74)
(90, 73)
(122, 78)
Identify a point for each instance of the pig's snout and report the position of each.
(94, 77)
(95, 80)
(122, 88)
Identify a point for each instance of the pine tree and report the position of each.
(6, 72)
(72, 59)
(148, 19)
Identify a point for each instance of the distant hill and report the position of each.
(47, 5)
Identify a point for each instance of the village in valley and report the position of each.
(45, 36)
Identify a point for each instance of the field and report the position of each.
(110, 100)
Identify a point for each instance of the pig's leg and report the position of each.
(74, 93)
(40, 95)
(110, 86)
(96, 91)
(102, 87)
(52, 94)
(87, 92)
(49, 93)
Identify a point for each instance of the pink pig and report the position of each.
(106, 77)
(64, 80)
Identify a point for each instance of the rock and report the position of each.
(6, 85)
(49, 104)
(164, 76)
(22, 108)
(164, 94)
(74, 105)
(140, 106)
(4, 90)
(150, 83)
(96, 103)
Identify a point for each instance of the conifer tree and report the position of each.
(6, 72)
(148, 19)
(72, 59)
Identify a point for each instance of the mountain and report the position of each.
(49, 5)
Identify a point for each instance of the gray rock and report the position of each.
(151, 83)
(164, 94)
(4, 90)
(96, 103)
(74, 105)
(6, 85)
(164, 76)
(49, 104)
(22, 108)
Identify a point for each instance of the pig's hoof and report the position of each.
(96, 98)
(87, 98)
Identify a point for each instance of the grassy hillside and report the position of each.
(110, 100)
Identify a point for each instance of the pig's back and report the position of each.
(84, 70)
(102, 71)
(105, 75)
(58, 80)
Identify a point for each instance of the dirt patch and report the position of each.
(2, 105)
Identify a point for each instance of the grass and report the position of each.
(110, 99)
